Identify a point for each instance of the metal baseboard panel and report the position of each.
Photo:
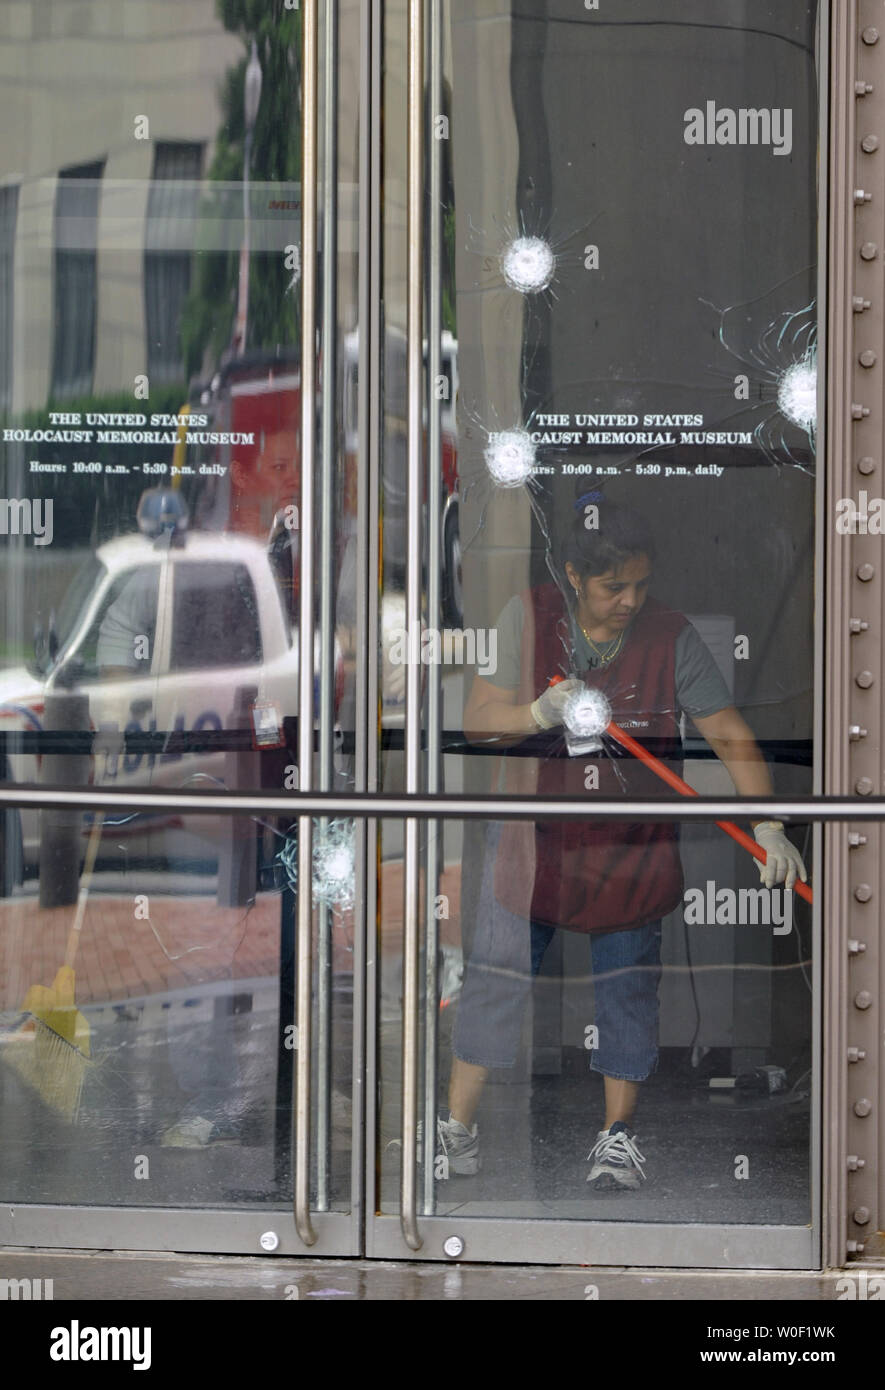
(155, 1228)
(594, 1243)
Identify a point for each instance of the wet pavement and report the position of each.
(124, 1277)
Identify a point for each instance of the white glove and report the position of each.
(548, 710)
(784, 862)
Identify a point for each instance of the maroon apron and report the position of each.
(589, 875)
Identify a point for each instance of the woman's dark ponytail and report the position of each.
(605, 535)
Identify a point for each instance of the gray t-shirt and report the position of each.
(700, 688)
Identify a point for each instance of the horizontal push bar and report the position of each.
(370, 805)
(177, 742)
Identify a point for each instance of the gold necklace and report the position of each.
(609, 656)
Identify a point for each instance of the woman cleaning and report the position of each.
(613, 882)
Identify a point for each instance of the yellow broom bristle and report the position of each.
(51, 1065)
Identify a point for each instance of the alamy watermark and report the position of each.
(865, 517)
(746, 126)
(739, 907)
(25, 1290)
(863, 1286)
(76, 1343)
(20, 516)
(430, 646)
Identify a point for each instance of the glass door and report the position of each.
(419, 400)
(595, 1031)
(168, 457)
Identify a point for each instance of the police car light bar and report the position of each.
(161, 510)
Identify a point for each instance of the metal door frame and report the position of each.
(291, 1229)
(844, 806)
(407, 1235)
(854, 1076)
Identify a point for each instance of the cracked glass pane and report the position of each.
(627, 269)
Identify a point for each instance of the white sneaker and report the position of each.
(457, 1149)
(617, 1161)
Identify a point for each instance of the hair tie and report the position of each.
(589, 497)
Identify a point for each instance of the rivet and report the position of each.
(866, 466)
(269, 1240)
(870, 143)
(864, 679)
(453, 1246)
(869, 251)
(867, 358)
(870, 36)
(866, 572)
(863, 999)
(863, 787)
(862, 1107)
(861, 1215)
(863, 892)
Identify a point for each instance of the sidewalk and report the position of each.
(184, 940)
(119, 1277)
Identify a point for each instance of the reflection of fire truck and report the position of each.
(254, 484)
(394, 470)
(454, 600)
(259, 396)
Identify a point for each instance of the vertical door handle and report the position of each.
(304, 946)
(434, 597)
(326, 644)
(414, 551)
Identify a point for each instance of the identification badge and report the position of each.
(267, 725)
(579, 746)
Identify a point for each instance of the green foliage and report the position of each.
(208, 317)
(448, 271)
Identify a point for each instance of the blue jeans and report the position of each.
(626, 975)
(507, 954)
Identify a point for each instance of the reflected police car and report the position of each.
(161, 631)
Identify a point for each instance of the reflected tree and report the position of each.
(207, 323)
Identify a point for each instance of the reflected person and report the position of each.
(613, 882)
(125, 645)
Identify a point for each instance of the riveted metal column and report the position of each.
(856, 581)
(840, 329)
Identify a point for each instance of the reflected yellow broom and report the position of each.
(51, 1051)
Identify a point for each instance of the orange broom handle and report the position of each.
(673, 780)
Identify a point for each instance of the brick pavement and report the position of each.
(184, 941)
